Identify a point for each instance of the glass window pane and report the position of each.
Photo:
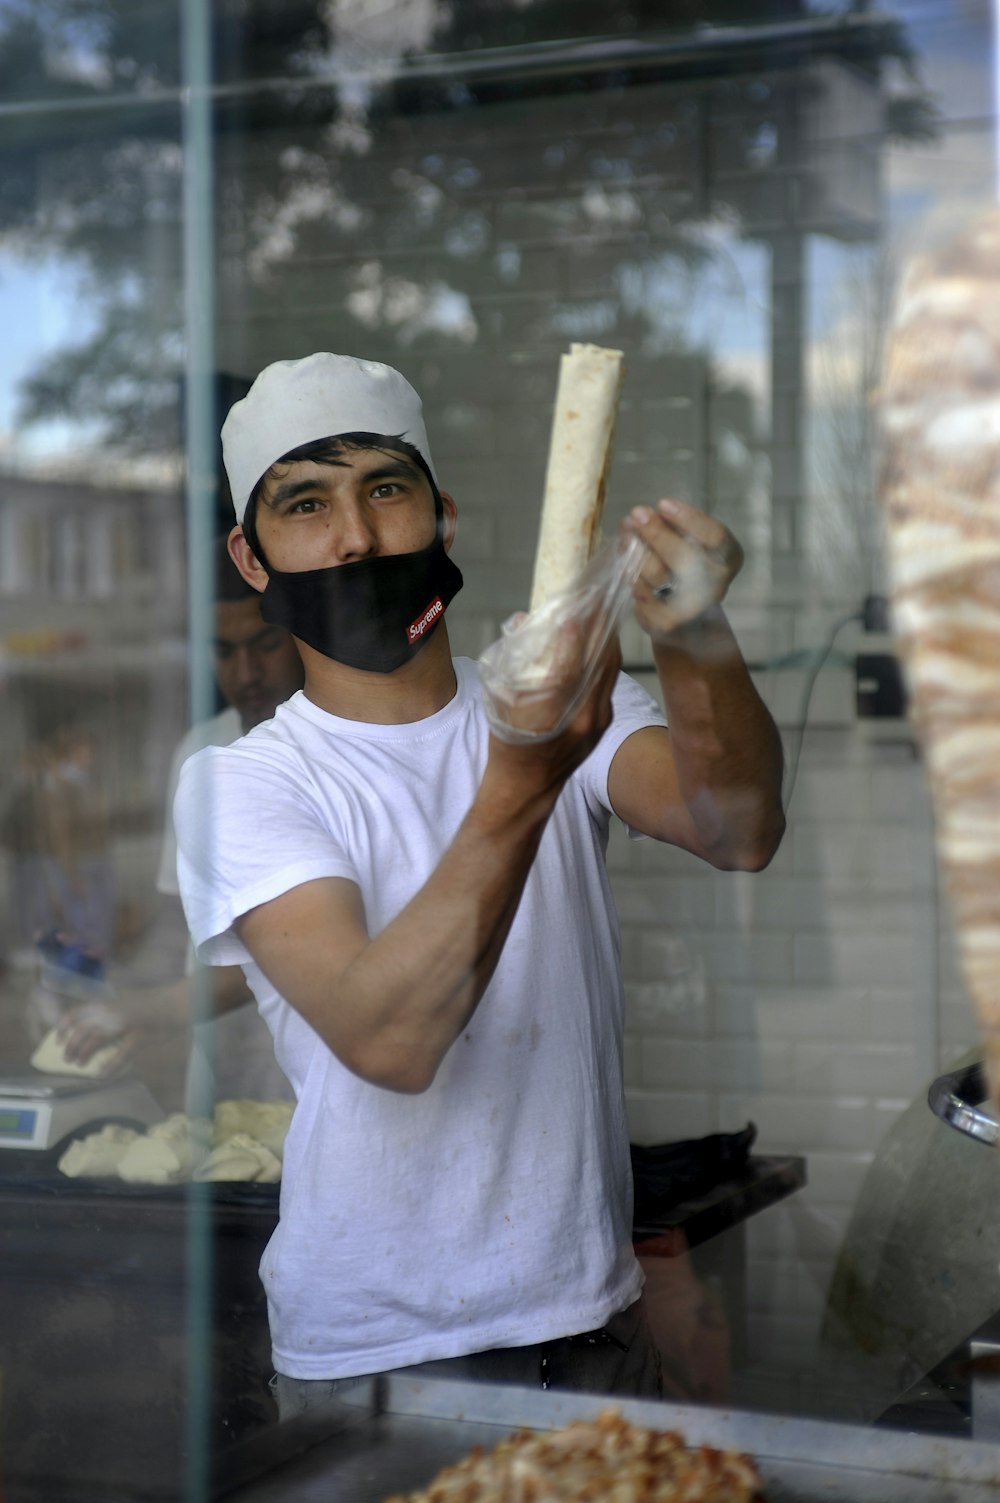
(731, 197)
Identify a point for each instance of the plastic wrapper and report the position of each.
(538, 673)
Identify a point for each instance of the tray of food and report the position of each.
(428, 1440)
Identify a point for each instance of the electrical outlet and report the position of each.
(881, 689)
(875, 614)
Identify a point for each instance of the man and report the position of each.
(256, 667)
(423, 914)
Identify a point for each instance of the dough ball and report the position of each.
(265, 1121)
(50, 1058)
(243, 1158)
(98, 1155)
(168, 1153)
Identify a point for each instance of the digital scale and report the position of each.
(38, 1112)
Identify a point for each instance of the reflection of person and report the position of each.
(256, 667)
(58, 828)
(25, 835)
(424, 915)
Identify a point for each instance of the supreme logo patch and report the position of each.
(426, 620)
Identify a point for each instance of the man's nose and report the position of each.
(355, 535)
(247, 664)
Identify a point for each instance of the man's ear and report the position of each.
(246, 561)
(450, 519)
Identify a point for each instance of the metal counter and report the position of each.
(394, 1435)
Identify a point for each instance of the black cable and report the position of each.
(820, 658)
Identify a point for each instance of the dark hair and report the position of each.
(327, 451)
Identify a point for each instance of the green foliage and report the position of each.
(91, 165)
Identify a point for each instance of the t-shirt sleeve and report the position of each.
(634, 709)
(248, 829)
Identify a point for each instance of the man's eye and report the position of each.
(387, 488)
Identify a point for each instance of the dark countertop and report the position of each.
(99, 1278)
(767, 1179)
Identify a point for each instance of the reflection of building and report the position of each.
(80, 544)
(92, 621)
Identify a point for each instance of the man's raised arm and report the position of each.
(711, 782)
(391, 1007)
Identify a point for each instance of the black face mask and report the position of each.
(374, 614)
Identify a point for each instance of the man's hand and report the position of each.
(691, 559)
(545, 765)
(93, 1026)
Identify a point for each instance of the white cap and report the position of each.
(295, 402)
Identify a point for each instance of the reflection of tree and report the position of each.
(845, 541)
(306, 93)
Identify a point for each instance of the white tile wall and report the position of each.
(815, 999)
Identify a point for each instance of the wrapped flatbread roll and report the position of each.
(583, 425)
(940, 411)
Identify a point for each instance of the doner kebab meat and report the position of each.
(940, 416)
(606, 1460)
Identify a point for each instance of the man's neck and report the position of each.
(418, 689)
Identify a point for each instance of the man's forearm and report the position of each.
(404, 999)
(726, 746)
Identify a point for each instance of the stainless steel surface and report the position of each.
(984, 1360)
(420, 1425)
(34, 1086)
(958, 1099)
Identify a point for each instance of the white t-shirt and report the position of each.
(233, 1054)
(221, 730)
(495, 1208)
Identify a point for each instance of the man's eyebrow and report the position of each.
(265, 631)
(393, 469)
(291, 489)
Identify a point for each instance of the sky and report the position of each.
(39, 313)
